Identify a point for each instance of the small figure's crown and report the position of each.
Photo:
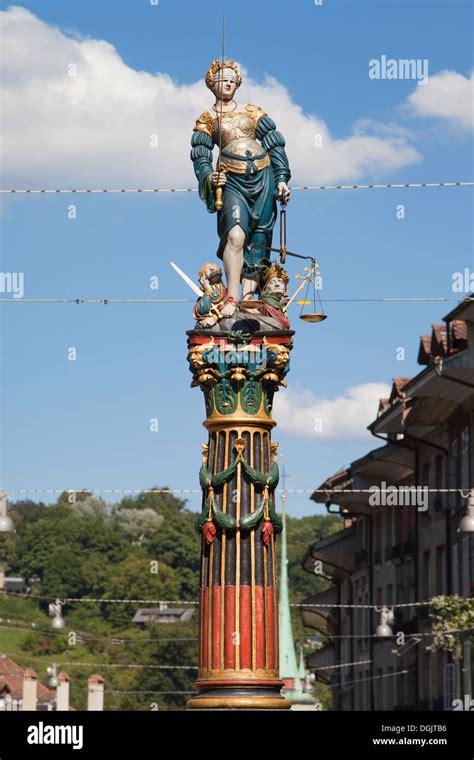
(275, 270)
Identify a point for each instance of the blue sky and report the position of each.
(85, 424)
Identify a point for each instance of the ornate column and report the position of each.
(238, 373)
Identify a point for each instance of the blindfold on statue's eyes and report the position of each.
(226, 74)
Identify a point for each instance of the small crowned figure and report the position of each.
(252, 171)
(273, 292)
(207, 310)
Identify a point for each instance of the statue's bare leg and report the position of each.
(233, 259)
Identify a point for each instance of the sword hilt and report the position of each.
(219, 191)
(215, 311)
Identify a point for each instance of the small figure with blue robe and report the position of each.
(207, 309)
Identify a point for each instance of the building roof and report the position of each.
(445, 340)
(320, 618)
(14, 584)
(11, 681)
(335, 552)
(424, 352)
(398, 383)
(166, 615)
(393, 462)
(96, 678)
(458, 329)
(340, 481)
(442, 357)
(439, 340)
(464, 310)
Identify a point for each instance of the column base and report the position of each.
(239, 695)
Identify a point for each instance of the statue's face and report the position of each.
(276, 286)
(225, 88)
(211, 275)
(214, 275)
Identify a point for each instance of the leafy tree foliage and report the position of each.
(143, 548)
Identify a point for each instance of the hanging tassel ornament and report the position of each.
(267, 526)
(209, 529)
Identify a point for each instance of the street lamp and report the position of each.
(467, 523)
(6, 523)
(383, 629)
(57, 620)
(52, 672)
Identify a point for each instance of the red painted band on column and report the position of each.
(260, 627)
(270, 630)
(205, 628)
(216, 626)
(230, 637)
(245, 625)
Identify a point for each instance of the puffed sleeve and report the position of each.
(201, 156)
(274, 143)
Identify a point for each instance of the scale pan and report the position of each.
(251, 304)
(313, 317)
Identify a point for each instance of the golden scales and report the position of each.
(309, 279)
(249, 304)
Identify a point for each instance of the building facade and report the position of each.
(401, 542)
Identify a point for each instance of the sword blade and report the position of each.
(197, 290)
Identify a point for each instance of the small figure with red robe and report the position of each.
(273, 292)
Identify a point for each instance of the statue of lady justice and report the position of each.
(252, 172)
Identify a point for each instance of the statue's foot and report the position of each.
(208, 322)
(229, 308)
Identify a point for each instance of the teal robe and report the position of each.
(249, 199)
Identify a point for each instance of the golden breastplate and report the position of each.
(238, 139)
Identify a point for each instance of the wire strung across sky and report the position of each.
(126, 666)
(132, 666)
(333, 685)
(83, 638)
(147, 666)
(105, 301)
(117, 692)
(394, 185)
(330, 491)
(369, 678)
(88, 600)
(344, 665)
(393, 636)
(138, 666)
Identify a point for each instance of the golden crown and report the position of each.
(276, 270)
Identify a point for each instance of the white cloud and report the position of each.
(303, 414)
(94, 128)
(447, 95)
